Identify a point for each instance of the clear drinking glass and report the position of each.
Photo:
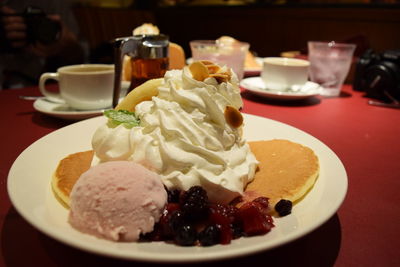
(329, 65)
(233, 55)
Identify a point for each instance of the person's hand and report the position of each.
(14, 28)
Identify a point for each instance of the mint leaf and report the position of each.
(117, 117)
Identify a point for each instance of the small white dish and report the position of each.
(29, 188)
(256, 85)
(63, 111)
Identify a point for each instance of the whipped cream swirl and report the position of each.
(183, 136)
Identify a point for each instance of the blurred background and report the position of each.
(271, 27)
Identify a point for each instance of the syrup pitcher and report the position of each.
(148, 58)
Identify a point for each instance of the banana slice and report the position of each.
(141, 93)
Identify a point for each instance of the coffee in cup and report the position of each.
(280, 73)
(83, 87)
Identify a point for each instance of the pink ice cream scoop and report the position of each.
(117, 200)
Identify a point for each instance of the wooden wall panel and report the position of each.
(269, 30)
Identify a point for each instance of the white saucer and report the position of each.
(257, 86)
(63, 111)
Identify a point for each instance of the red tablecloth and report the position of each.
(364, 232)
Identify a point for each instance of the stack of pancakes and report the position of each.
(287, 170)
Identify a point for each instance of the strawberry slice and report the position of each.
(254, 219)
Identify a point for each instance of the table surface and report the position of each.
(364, 232)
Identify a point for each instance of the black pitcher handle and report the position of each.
(122, 46)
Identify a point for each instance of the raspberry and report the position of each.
(254, 221)
(263, 204)
(224, 216)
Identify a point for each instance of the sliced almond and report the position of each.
(220, 77)
(207, 62)
(233, 117)
(199, 71)
(212, 69)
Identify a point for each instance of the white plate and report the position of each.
(256, 85)
(30, 192)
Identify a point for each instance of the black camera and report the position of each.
(40, 29)
(378, 75)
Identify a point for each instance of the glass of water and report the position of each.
(233, 54)
(329, 65)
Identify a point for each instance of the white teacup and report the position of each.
(84, 87)
(280, 73)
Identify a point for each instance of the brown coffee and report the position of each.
(89, 69)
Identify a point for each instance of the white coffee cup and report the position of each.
(83, 87)
(280, 73)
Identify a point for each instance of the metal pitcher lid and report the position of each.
(150, 46)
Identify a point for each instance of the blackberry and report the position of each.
(185, 235)
(194, 192)
(284, 207)
(210, 235)
(194, 203)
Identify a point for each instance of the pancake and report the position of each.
(287, 170)
(67, 173)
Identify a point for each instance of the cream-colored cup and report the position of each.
(280, 73)
(83, 87)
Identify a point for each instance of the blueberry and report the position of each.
(237, 230)
(284, 207)
(186, 235)
(173, 195)
(210, 235)
(176, 221)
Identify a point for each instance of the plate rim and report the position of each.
(147, 257)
